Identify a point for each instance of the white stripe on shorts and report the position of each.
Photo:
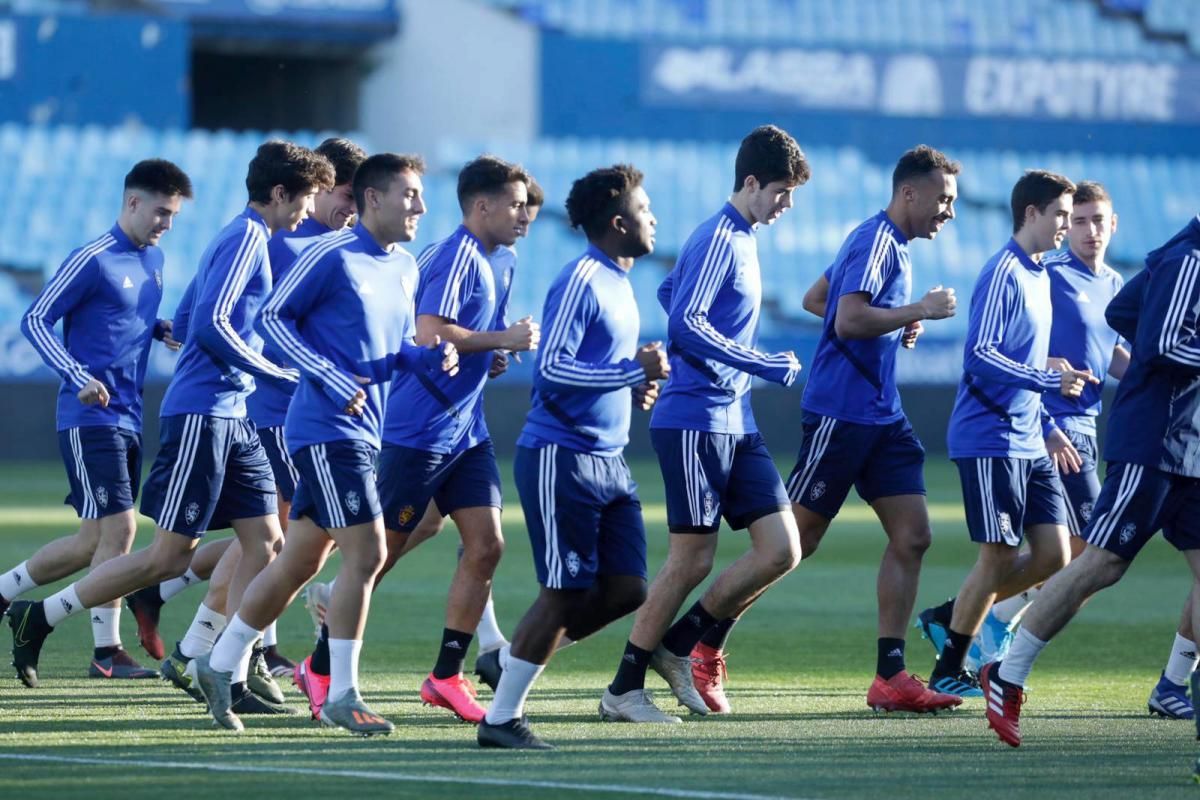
(188, 447)
(285, 456)
(328, 486)
(1104, 525)
(88, 504)
(821, 436)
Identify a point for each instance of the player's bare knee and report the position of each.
(782, 557)
(809, 541)
(484, 553)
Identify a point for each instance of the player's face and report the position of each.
(1092, 226)
(401, 206)
(767, 203)
(1049, 227)
(151, 215)
(640, 225)
(933, 203)
(532, 213)
(334, 207)
(506, 213)
(291, 211)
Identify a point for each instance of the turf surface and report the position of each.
(800, 664)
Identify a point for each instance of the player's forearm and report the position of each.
(568, 375)
(54, 354)
(869, 322)
(465, 340)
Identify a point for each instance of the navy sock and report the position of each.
(890, 659)
(320, 654)
(716, 636)
(950, 662)
(101, 653)
(453, 653)
(631, 674)
(687, 630)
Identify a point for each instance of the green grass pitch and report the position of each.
(799, 663)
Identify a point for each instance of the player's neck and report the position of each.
(612, 251)
(127, 229)
(741, 204)
(381, 237)
(1094, 263)
(1024, 239)
(899, 220)
(479, 232)
(264, 211)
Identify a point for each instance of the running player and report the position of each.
(344, 315)
(436, 442)
(1151, 481)
(581, 505)
(714, 462)
(855, 433)
(211, 471)
(1010, 487)
(266, 407)
(107, 293)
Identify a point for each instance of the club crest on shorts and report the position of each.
(573, 563)
(1005, 523)
(708, 504)
(102, 497)
(353, 502)
(192, 513)
(1128, 532)
(406, 515)
(1085, 512)
(817, 490)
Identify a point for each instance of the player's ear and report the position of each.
(618, 224)
(279, 194)
(1112, 228)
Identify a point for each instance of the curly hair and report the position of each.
(770, 154)
(599, 196)
(160, 176)
(297, 169)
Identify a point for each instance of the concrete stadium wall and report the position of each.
(27, 421)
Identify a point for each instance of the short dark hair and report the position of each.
(1038, 188)
(160, 176)
(1091, 192)
(770, 154)
(345, 156)
(297, 169)
(537, 195)
(487, 175)
(599, 196)
(378, 172)
(921, 161)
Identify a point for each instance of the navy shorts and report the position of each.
(209, 472)
(877, 460)
(282, 465)
(583, 516)
(712, 475)
(1004, 496)
(1136, 502)
(337, 487)
(104, 467)
(410, 478)
(1082, 488)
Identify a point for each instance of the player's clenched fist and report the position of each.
(524, 334)
(939, 303)
(908, 339)
(94, 393)
(449, 356)
(645, 395)
(653, 359)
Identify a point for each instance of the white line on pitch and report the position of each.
(395, 777)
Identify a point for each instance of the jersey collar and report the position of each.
(1022, 256)
(252, 215)
(596, 254)
(370, 246)
(739, 222)
(897, 234)
(123, 241)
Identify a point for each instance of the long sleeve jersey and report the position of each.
(1080, 334)
(267, 405)
(344, 311)
(107, 295)
(998, 411)
(587, 362)
(712, 297)
(222, 354)
(1155, 416)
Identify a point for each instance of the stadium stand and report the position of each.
(686, 180)
(1033, 26)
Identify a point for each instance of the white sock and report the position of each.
(488, 630)
(16, 582)
(1017, 664)
(106, 626)
(61, 605)
(343, 666)
(1011, 609)
(1182, 662)
(241, 670)
(270, 639)
(513, 689)
(235, 643)
(205, 628)
(506, 650)
(168, 589)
